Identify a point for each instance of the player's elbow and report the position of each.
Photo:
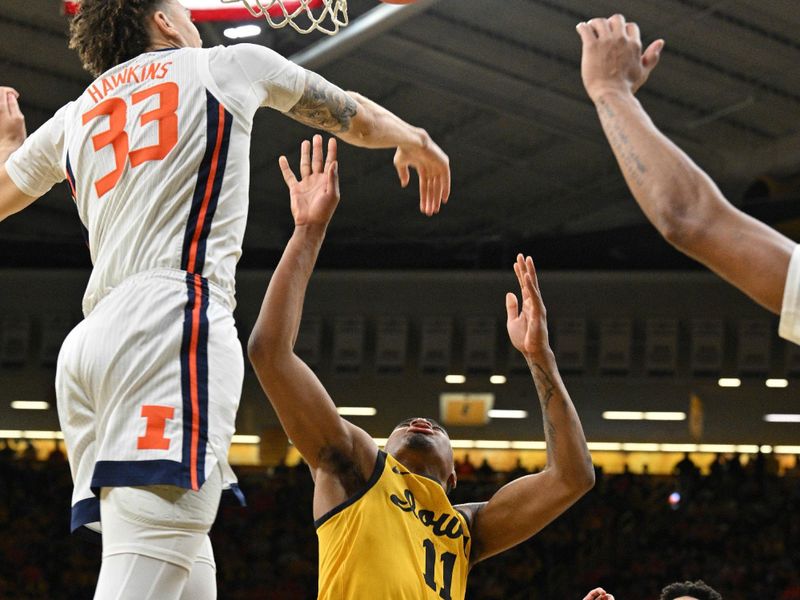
(578, 480)
(362, 127)
(687, 213)
(262, 351)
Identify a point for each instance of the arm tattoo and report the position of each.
(544, 384)
(630, 160)
(546, 389)
(324, 106)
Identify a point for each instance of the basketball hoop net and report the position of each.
(304, 16)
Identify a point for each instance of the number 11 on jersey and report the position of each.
(448, 560)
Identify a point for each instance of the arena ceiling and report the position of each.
(498, 86)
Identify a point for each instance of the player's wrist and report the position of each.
(616, 90)
(540, 355)
(311, 230)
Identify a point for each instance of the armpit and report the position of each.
(324, 106)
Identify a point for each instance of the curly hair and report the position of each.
(694, 589)
(108, 32)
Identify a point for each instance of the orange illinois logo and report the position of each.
(153, 438)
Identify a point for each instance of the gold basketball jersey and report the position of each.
(397, 539)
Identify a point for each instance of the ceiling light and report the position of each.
(623, 415)
(747, 448)
(679, 447)
(782, 418)
(636, 447)
(777, 383)
(357, 411)
(765, 449)
(30, 405)
(508, 414)
(729, 382)
(462, 443)
(455, 379)
(17, 434)
(665, 416)
(525, 445)
(493, 444)
(718, 448)
(497, 379)
(243, 31)
(604, 446)
(786, 449)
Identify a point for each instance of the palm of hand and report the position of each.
(315, 195)
(312, 202)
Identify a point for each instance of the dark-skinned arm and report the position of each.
(331, 446)
(676, 196)
(524, 506)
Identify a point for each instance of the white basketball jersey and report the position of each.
(156, 153)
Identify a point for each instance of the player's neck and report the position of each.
(419, 466)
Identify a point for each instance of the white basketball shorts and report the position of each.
(148, 386)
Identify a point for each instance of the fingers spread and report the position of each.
(286, 171)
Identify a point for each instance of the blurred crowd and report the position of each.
(738, 528)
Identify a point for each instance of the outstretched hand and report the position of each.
(612, 56)
(12, 122)
(315, 196)
(598, 594)
(527, 328)
(432, 166)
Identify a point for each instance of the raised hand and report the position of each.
(612, 57)
(598, 594)
(12, 122)
(315, 196)
(432, 166)
(527, 328)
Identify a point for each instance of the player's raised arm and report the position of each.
(304, 408)
(524, 506)
(12, 135)
(677, 197)
(361, 122)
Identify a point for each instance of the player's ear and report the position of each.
(162, 22)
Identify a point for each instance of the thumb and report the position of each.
(652, 55)
(403, 173)
(512, 306)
